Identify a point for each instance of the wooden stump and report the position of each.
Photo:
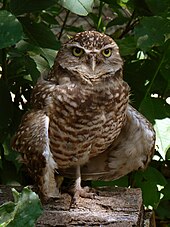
(119, 207)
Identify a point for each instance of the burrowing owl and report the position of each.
(81, 120)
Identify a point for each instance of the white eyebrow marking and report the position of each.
(87, 51)
(112, 45)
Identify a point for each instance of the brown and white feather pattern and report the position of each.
(132, 150)
(80, 114)
(32, 141)
(80, 129)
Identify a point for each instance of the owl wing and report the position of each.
(32, 134)
(32, 141)
(132, 150)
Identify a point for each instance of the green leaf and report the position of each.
(80, 7)
(166, 191)
(6, 211)
(28, 6)
(148, 181)
(162, 128)
(168, 155)
(44, 61)
(151, 195)
(49, 55)
(36, 53)
(165, 66)
(39, 34)
(43, 57)
(42, 64)
(140, 7)
(74, 29)
(151, 175)
(163, 210)
(24, 211)
(50, 19)
(157, 6)
(117, 21)
(31, 69)
(11, 158)
(127, 46)
(151, 31)
(137, 73)
(155, 110)
(10, 29)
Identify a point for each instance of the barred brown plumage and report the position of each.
(81, 116)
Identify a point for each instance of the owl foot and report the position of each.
(85, 192)
(47, 198)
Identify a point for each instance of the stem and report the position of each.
(64, 23)
(100, 15)
(128, 26)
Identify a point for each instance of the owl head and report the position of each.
(91, 56)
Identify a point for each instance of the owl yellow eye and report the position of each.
(107, 52)
(77, 52)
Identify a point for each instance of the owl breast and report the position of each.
(85, 121)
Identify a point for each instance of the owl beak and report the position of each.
(92, 63)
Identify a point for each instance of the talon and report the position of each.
(85, 192)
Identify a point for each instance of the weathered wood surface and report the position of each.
(117, 207)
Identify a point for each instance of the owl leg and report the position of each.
(78, 190)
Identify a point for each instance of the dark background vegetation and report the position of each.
(30, 35)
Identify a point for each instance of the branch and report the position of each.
(64, 23)
(130, 25)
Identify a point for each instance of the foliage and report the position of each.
(25, 209)
(28, 47)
